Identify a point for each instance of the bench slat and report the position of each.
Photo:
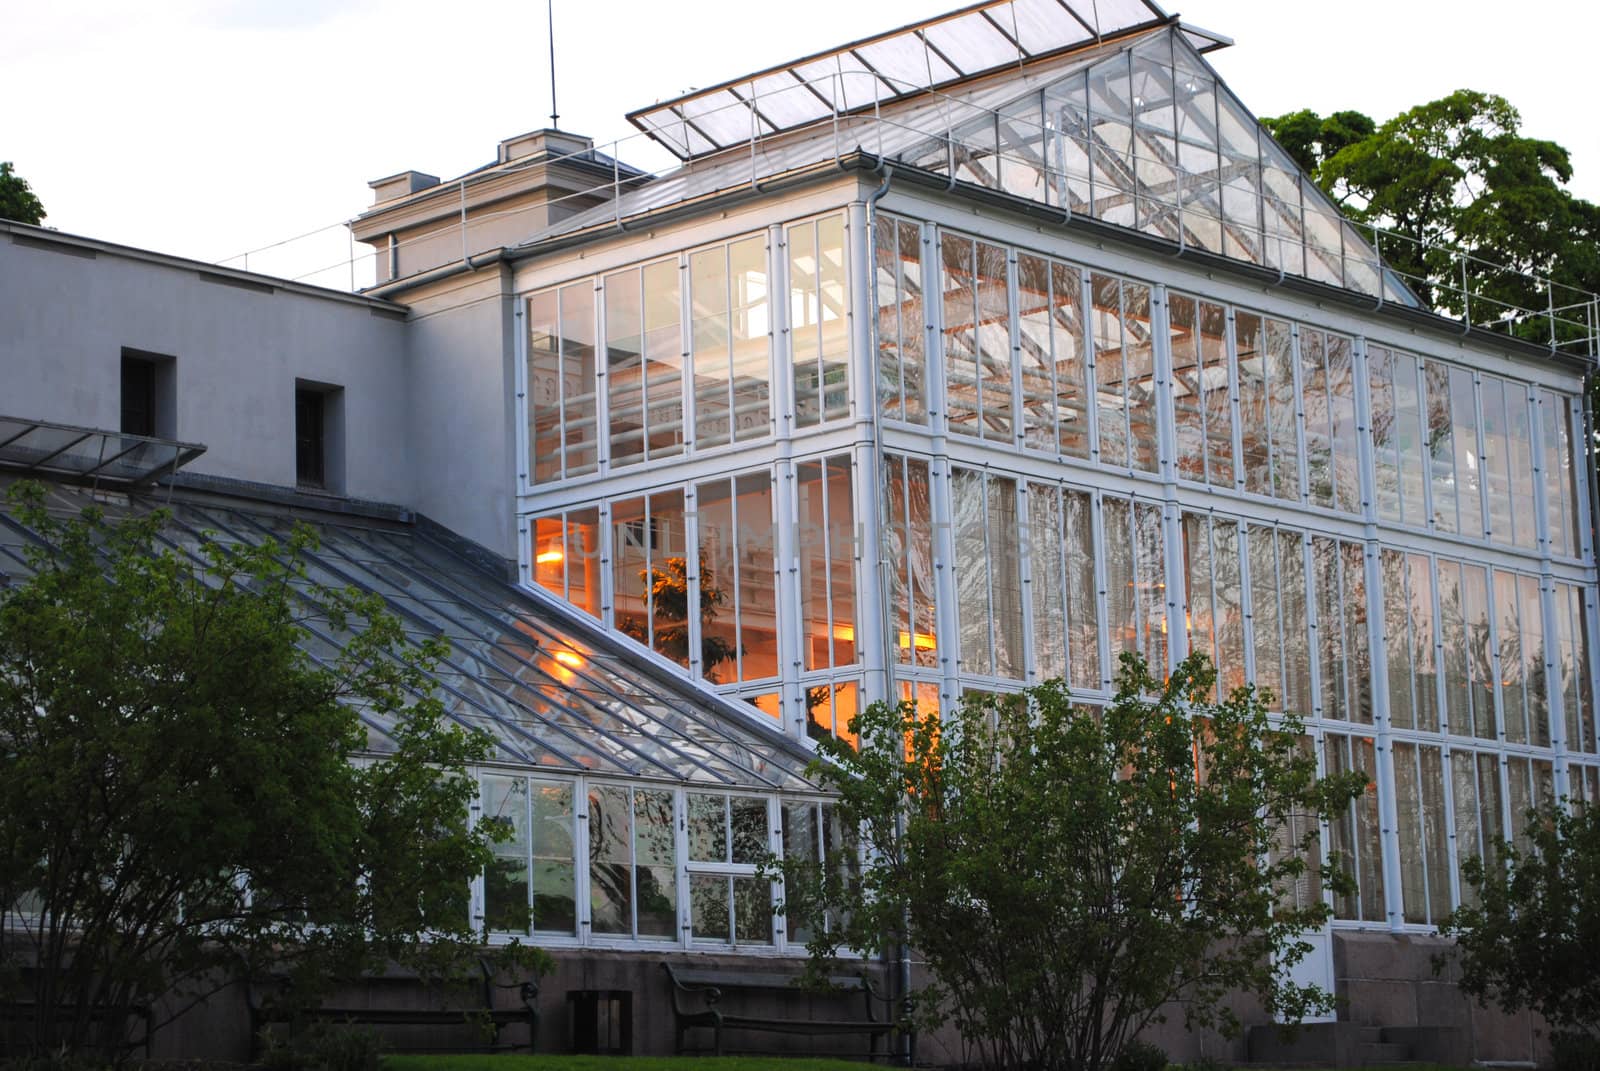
(755, 980)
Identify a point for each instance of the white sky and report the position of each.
(206, 128)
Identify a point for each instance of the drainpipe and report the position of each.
(900, 955)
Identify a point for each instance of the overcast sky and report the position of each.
(207, 128)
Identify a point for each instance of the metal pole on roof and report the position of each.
(550, 12)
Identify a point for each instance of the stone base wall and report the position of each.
(1388, 980)
(1384, 983)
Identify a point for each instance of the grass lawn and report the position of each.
(517, 1062)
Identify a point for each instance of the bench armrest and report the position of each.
(709, 993)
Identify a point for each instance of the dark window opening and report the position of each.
(138, 396)
(149, 394)
(310, 438)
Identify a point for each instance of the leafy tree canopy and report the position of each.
(1530, 936)
(1067, 872)
(178, 800)
(1459, 173)
(17, 199)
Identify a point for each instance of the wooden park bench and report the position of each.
(264, 1010)
(698, 1002)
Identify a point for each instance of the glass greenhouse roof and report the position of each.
(554, 691)
(39, 448)
(943, 51)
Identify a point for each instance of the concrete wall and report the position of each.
(68, 307)
(464, 410)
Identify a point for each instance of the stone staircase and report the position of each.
(1346, 1044)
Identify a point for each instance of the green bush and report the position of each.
(1139, 1055)
(324, 1047)
(1574, 1050)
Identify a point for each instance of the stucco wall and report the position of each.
(68, 308)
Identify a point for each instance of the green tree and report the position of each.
(1067, 872)
(1530, 936)
(1458, 173)
(17, 199)
(178, 801)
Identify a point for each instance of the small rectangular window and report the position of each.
(148, 394)
(310, 442)
(318, 436)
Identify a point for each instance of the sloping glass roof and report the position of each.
(952, 48)
(554, 692)
(1151, 139)
(40, 448)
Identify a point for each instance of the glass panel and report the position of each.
(1407, 436)
(1342, 417)
(1464, 418)
(1263, 552)
(651, 578)
(1497, 460)
(1044, 547)
(1480, 649)
(1424, 659)
(1533, 660)
(973, 607)
(655, 869)
(751, 327)
(1036, 367)
(818, 331)
(1435, 834)
(748, 818)
(1083, 619)
(1282, 405)
(708, 828)
(737, 611)
(1152, 585)
(1139, 369)
(1508, 628)
(752, 910)
(827, 563)
(1296, 622)
(1330, 628)
(1109, 369)
(994, 344)
(625, 375)
(562, 433)
(1068, 350)
(711, 342)
(1398, 644)
(1121, 605)
(1314, 381)
(505, 882)
(710, 907)
(663, 360)
(555, 908)
(1004, 561)
(908, 550)
(961, 324)
(898, 246)
(1453, 642)
(1354, 835)
(1357, 644)
(1385, 438)
(1188, 389)
(1441, 446)
(566, 557)
(1560, 491)
(1408, 808)
(610, 861)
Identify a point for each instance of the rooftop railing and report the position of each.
(1238, 208)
